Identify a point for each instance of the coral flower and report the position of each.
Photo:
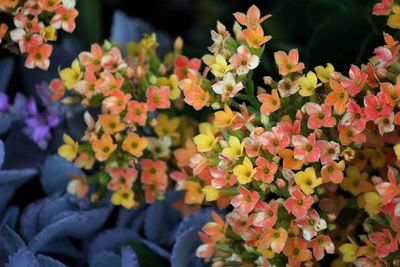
(69, 149)
(245, 201)
(355, 116)
(329, 151)
(388, 190)
(252, 18)
(255, 37)
(92, 60)
(338, 97)
(216, 229)
(113, 61)
(270, 102)
(307, 180)
(384, 242)
(182, 65)
(137, 113)
(298, 204)
(319, 116)
(87, 86)
(376, 106)
(197, 97)
(64, 18)
(310, 224)
(153, 169)
(78, 186)
(288, 63)
(275, 239)
(194, 194)
(383, 7)
(116, 102)
(103, 147)
(244, 61)
(320, 245)
(122, 178)
(349, 134)
(157, 97)
(392, 92)
(333, 172)
(111, 123)
(297, 252)
(134, 144)
(108, 83)
(39, 57)
(306, 148)
(124, 198)
(265, 170)
(184, 154)
(57, 88)
(356, 82)
(244, 172)
(265, 215)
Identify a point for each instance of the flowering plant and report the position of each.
(34, 24)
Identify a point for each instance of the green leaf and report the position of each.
(145, 256)
(88, 22)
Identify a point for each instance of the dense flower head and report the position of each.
(35, 23)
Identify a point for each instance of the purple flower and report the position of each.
(3, 102)
(39, 125)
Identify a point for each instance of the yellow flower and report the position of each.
(167, 127)
(235, 148)
(211, 192)
(123, 198)
(324, 73)
(394, 20)
(376, 157)
(205, 125)
(397, 151)
(172, 82)
(307, 180)
(373, 203)
(205, 141)
(134, 144)
(69, 149)
(71, 76)
(308, 84)
(220, 67)
(224, 118)
(244, 172)
(352, 180)
(48, 33)
(349, 251)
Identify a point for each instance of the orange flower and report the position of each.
(111, 123)
(3, 31)
(338, 97)
(183, 155)
(194, 194)
(297, 252)
(39, 57)
(288, 63)
(135, 144)
(103, 147)
(255, 37)
(116, 103)
(289, 162)
(137, 112)
(270, 102)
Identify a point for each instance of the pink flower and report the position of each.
(244, 61)
(376, 106)
(116, 102)
(319, 116)
(349, 134)
(355, 116)
(265, 170)
(239, 221)
(112, 61)
(39, 57)
(108, 83)
(329, 151)
(310, 224)
(385, 123)
(275, 140)
(386, 57)
(245, 201)
(388, 190)
(356, 82)
(384, 242)
(157, 97)
(122, 178)
(182, 65)
(306, 148)
(265, 215)
(332, 172)
(299, 203)
(383, 8)
(320, 244)
(275, 239)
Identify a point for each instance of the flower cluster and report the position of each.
(307, 151)
(127, 145)
(35, 24)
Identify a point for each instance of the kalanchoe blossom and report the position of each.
(228, 87)
(244, 61)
